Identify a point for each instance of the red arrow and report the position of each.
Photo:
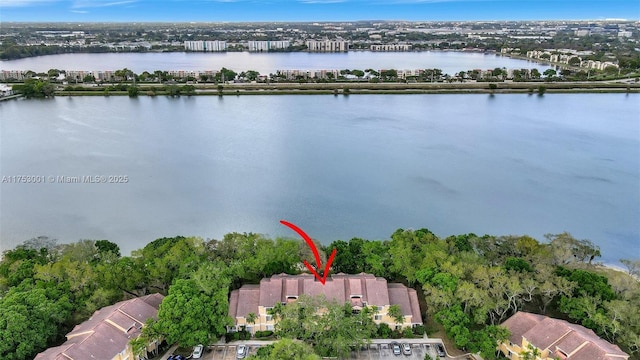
(306, 238)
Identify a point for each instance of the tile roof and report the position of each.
(107, 332)
(561, 337)
(341, 287)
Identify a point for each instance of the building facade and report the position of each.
(390, 47)
(555, 339)
(327, 46)
(264, 46)
(361, 290)
(107, 333)
(205, 45)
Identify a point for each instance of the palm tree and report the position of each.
(139, 347)
(251, 318)
(396, 313)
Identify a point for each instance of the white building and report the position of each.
(205, 45)
(268, 45)
(391, 47)
(328, 46)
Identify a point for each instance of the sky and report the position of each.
(313, 10)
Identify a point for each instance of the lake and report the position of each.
(448, 61)
(337, 166)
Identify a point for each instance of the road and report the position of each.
(377, 350)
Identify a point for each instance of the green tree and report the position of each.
(139, 347)
(286, 349)
(132, 91)
(35, 88)
(331, 331)
(196, 310)
(396, 313)
(535, 74)
(31, 319)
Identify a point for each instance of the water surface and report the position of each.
(339, 167)
(266, 63)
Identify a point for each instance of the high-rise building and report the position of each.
(268, 45)
(328, 46)
(205, 45)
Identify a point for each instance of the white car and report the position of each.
(242, 352)
(197, 352)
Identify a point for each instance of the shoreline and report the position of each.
(346, 89)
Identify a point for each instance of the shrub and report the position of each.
(418, 330)
(263, 334)
(384, 331)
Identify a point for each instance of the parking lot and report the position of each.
(226, 352)
(377, 350)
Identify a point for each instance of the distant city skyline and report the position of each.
(313, 10)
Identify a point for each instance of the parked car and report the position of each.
(241, 352)
(396, 348)
(197, 352)
(406, 349)
(440, 349)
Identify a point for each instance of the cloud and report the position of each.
(23, 3)
(80, 4)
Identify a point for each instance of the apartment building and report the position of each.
(555, 339)
(205, 45)
(264, 46)
(107, 333)
(11, 75)
(390, 47)
(327, 46)
(361, 290)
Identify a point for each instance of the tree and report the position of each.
(35, 88)
(535, 74)
(251, 318)
(139, 347)
(633, 266)
(574, 61)
(550, 73)
(106, 246)
(396, 313)
(196, 310)
(530, 353)
(286, 349)
(332, 331)
(517, 264)
(132, 91)
(566, 249)
(31, 319)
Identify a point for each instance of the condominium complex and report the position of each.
(362, 290)
(555, 339)
(108, 332)
(207, 46)
(328, 46)
(391, 47)
(268, 45)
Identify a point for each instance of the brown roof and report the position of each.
(339, 287)
(561, 337)
(107, 332)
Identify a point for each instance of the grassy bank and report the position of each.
(374, 88)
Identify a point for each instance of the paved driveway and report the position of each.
(384, 351)
(378, 350)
